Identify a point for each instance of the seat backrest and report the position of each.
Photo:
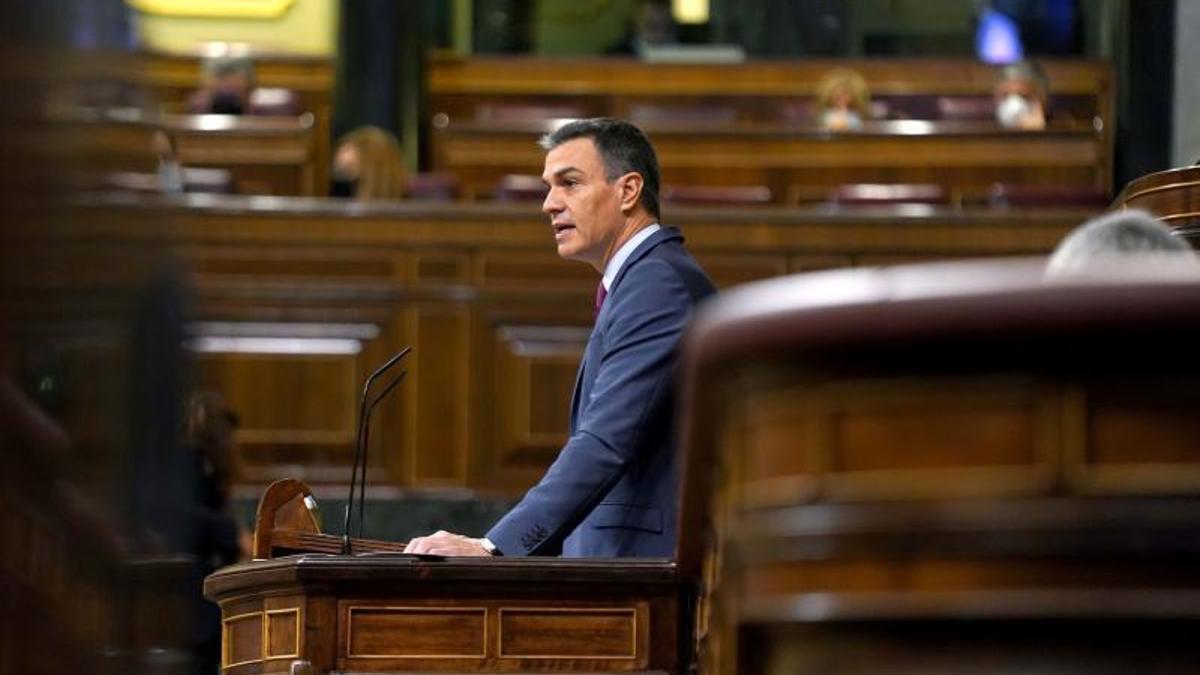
(520, 188)
(886, 194)
(441, 187)
(730, 195)
(1006, 195)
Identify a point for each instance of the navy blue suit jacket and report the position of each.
(613, 490)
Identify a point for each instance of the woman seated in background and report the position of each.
(1021, 92)
(843, 100)
(368, 164)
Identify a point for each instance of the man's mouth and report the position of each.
(559, 228)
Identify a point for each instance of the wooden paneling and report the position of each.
(440, 406)
(563, 632)
(497, 320)
(460, 615)
(801, 165)
(416, 632)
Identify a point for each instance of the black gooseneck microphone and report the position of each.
(365, 408)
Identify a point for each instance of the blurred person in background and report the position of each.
(843, 100)
(218, 539)
(1022, 94)
(227, 83)
(367, 165)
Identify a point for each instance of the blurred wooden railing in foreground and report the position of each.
(298, 299)
(945, 468)
(1173, 196)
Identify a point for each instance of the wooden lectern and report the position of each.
(380, 610)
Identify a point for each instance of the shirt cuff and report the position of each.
(489, 546)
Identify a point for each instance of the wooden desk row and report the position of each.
(264, 155)
(801, 165)
(297, 299)
(481, 104)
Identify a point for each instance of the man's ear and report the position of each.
(631, 190)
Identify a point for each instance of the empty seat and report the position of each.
(520, 188)
(731, 195)
(1002, 195)
(978, 108)
(692, 115)
(884, 194)
(521, 112)
(442, 187)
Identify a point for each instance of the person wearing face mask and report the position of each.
(1021, 93)
(228, 82)
(368, 164)
(843, 100)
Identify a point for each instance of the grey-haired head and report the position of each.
(1128, 237)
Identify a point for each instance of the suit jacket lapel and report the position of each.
(664, 234)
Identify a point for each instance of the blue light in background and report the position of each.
(997, 39)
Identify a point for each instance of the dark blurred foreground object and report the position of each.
(945, 468)
(93, 482)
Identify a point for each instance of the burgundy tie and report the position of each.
(601, 293)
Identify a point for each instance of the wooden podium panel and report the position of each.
(397, 613)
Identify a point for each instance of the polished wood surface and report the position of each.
(802, 165)
(1173, 196)
(288, 522)
(498, 321)
(610, 85)
(391, 612)
(935, 464)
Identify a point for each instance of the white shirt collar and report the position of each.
(614, 263)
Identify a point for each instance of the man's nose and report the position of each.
(551, 203)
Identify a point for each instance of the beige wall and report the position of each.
(298, 27)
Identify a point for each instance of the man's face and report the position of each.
(584, 206)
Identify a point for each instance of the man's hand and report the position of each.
(447, 543)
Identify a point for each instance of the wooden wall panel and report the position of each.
(497, 320)
(439, 407)
(535, 371)
(896, 439)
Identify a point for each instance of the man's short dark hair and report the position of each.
(623, 149)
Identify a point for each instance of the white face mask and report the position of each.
(1011, 110)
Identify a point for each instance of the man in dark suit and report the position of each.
(613, 490)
